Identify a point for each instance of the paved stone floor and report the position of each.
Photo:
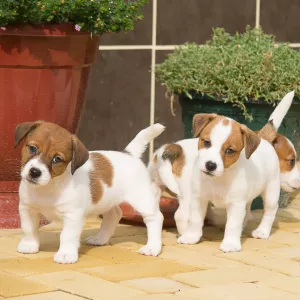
(263, 270)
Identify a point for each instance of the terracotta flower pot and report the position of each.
(168, 207)
(44, 73)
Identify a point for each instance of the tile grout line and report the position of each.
(153, 62)
(257, 14)
(158, 47)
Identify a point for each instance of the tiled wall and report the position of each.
(122, 92)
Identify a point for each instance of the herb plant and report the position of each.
(95, 16)
(237, 68)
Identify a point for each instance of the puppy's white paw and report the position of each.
(28, 247)
(63, 257)
(188, 239)
(261, 233)
(95, 240)
(231, 245)
(150, 250)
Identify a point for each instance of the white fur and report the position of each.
(68, 198)
(281, 109)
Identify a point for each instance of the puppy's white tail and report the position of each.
(166, 175)
(281, 109)
(139, 144)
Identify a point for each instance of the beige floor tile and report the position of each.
(156, 285)
(195, 258)
(223, 276)
(266, 261)
(86, 285)
(284, 237)
(5, 256)
(115, 255)
(283, 282)
(287, 252)
(158, 268)
(49, 296)
(10, 232)
(245, 291)
(12, 286)
(25, 267)
(161, 297)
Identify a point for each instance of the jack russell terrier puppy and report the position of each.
(61, 179)
(173, 165)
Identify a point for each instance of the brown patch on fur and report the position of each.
(268, 132)
(285, 153)
(201, 120)
(251, 140)
(52, 140)
(234, 142)
(174, 153)
(155, 159)
(102, 172)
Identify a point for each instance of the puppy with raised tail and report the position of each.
(62, 180)
(173, 166)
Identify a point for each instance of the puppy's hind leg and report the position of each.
(270, 197)
(109, 224)
(146, 203)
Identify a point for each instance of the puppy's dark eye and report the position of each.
(32, 149)
(292, 162)
(229, 151)
(206, 143)
(56, 160)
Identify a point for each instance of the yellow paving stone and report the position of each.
(133, 243)
(283, 282)
(156, 285)
(223, 276)
(280, 236)
(160, 297)
(49, 296)
(114, 254)
(11, 286)
(245, 291)
(86, 285)
(5, 256)
(265, 260)
(25, 267)
(156, 268)
(10, 232)
(195, 258)
(213, 233)
(287, 252)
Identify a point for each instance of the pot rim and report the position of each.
(46, 29)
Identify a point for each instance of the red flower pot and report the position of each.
(44, 73)
(168, 207)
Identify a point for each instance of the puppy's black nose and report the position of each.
(210, 166)
(35, 173)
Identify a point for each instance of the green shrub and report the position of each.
(237, 68)
(95, 16)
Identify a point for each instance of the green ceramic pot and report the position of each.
(260, 111)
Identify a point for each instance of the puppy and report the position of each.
(173, 164)
(62, 180)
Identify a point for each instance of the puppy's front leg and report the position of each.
(70, 238)
(235, 217)
(30, 220)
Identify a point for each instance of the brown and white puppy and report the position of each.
(62, 180)
(172, 164)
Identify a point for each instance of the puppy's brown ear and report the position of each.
(80, 154)
(23, 129)
(200, 121)
(251, 140)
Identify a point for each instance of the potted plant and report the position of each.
(242, 76)
(47, 48)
